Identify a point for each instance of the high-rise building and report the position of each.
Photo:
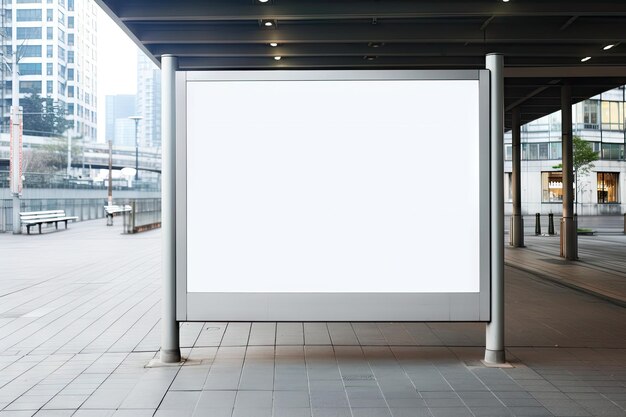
(148, 101)
(118, 109)
(56, 49)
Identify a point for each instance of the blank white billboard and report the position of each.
(321, 187)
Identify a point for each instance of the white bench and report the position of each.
(31, 218)
(113, 210)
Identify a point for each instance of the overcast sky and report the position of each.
(117, 65)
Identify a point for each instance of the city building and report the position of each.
(56, 49)
(599, 120)
(148, 101)
(118, 127)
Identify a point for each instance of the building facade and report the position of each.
(148, 101)
(601, 121)
(56, 44)
(118, 127)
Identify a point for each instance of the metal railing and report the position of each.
(46, 181)
(148, 209)
(145, 215)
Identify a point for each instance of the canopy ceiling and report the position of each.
(542, 41)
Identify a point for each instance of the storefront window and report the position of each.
(607, 187)
(552, 187)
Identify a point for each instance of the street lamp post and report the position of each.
(136, 119)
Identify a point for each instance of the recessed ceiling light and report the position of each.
(263, 1)
(278, 58)
(606, 48)
(375, 44)
(268, 23)
(585, 59)
(369, 57)
(273, 44)
(505, 1)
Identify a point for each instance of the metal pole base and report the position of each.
(495, 356)
(517, 231)
(569, 239)
(170, 355)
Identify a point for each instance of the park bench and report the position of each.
(114, 210)
(31, 218)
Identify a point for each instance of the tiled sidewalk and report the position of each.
(79, 320)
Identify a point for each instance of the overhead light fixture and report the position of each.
(505, 1)
(278, 58)
(268, 23)
(273, 44)
(606, 48)
(369, 57)
(585, 59)
(263, 1)
(375, 44)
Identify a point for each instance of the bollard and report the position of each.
(537, 224)
(550, 224)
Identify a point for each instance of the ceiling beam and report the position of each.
(228, 10)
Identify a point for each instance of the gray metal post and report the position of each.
(568, 226)
(494, 343)
(517, 221)
(170, 343)
(16, 147)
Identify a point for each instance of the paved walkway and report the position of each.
(600, 269)
(79, 320)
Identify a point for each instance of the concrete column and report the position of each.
(494, 344)
(517, 221)
(170, 342)
(569, 238)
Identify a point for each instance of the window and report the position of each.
(48, 87)
(555, 150)
(61, 17)
(61, 88)
(29, 69)
(28, 1)
(612, 151)
(49, 33)
(49, 51)
(508, 152)
(70, 39)
(590, 114)
(61, 71)
(61, 53)
(70, 91)
(612, 118)
(61, 36)
(29, 33)
(49, 69)
(552, 187)
(607, 187)
(70, 57)
(30, 87)
(70, 74)
(70, 108)
(49, 15)
(29, 51)
(70, 5)
(62, 3)
(70, 22)
(28, 15)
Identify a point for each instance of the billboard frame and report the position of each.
(334, 306)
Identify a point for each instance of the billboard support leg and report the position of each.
(494, 343)
(170, 341)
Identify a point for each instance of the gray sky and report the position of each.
(117, 65)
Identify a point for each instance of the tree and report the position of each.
(43, 117)
(583, 158)
(51, 158)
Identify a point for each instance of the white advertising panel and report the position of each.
(333, 196)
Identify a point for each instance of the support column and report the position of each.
(569, 238)
(517, 221)
(170, 342)
(494, 343)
